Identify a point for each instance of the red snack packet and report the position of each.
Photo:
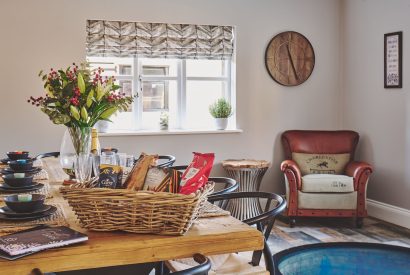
(197, 173)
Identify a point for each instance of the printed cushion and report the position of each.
(317, 183)
(321, 163)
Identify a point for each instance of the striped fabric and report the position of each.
(129, 39)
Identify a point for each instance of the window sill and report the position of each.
(114, 133)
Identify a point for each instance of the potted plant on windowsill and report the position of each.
(221, 110)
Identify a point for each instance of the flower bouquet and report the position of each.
(78, 98)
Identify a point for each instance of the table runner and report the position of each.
(210, 210)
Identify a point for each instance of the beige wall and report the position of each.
(382, 116)
(40, 34)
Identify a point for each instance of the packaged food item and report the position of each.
(197, 173)
(162, 180)
(110, 176)
(136, 178)
(155, 177)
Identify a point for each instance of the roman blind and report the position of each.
(129, 39)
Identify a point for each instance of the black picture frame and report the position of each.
(393, 59)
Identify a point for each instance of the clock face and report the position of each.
(289, 58)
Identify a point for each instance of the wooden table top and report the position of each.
(209, 236)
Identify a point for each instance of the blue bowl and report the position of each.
(15, 155)
(21, 165)
(12, 181)
(37, 201)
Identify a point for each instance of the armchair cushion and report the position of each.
(346, 201)
(321, 163)
(317, 183)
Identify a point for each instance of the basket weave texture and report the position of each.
(103, 209)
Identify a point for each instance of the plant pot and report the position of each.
(221, 123)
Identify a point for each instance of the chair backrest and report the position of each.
(223, 185)
(268, 213)
(201, 269)
(263, 221)
(166, 161)
(319, 142)
(47, 155)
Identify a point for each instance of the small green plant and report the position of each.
(163, 120)
(220, 109)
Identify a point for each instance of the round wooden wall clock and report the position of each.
(289, 58)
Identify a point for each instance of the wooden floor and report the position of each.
(316, 230)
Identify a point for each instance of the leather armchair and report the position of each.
(324, 142)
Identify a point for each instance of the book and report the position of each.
(40, 239)
(6, 256)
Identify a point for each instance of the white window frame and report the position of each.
(181, 79)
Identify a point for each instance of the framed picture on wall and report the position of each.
(393, 60)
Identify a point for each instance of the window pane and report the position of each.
(156, 102)
(126, 87)
(201, 94)
(159, 66)
(155, 70)
(155, 96)
(207, 68)
(125, 69)
(113, 66)
(122, 121)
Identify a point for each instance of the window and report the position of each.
(182, 88)
(178, 69)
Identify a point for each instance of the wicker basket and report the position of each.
(103, 209)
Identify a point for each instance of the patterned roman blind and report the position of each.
(128, 39)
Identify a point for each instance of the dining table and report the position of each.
(208, 236)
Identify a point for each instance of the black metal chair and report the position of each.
(203, 267)
(47, 155)
(223, 185)
(165, 161)
(264, 221)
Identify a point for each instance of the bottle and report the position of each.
(95, 152)
(95, 143)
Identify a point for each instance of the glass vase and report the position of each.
(83, 167)
(76, 140)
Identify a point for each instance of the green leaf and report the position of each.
(81, 83)
(61, 119)
(115, 87)
(107, 113)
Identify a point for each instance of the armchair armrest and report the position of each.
(360, 171)
(292, 172)
(356, 168)
(294, 180)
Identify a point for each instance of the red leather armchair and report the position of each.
(339, 204)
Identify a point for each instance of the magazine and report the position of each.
(32, 241)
